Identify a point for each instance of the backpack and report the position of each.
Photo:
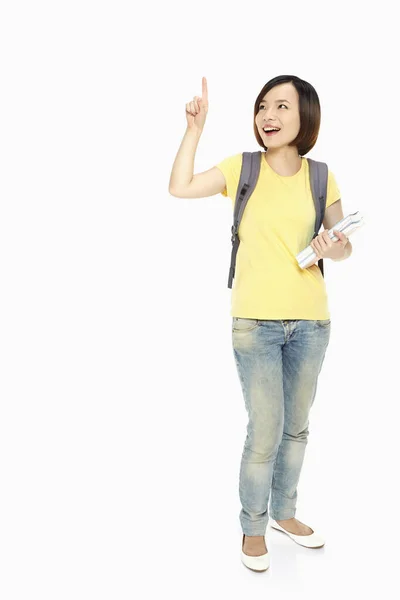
(251, 164)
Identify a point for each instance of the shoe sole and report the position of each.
(256, 570)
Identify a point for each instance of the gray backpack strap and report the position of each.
(319, 188)
(251, 164)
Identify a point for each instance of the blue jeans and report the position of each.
(278, 363)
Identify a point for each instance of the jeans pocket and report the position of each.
(323, 322)
(242, 324)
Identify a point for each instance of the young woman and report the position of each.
(280, 317)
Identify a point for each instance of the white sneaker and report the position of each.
(313, 540)
(255, 563)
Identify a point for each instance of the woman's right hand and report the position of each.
(196, 110)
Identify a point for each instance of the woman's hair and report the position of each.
(309, 110)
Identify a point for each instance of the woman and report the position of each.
(280, 317)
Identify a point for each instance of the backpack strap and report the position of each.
(251, 164)
(319, 188)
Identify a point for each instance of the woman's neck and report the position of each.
(284, 163)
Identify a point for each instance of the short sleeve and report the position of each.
(333, 192)
(231, 167)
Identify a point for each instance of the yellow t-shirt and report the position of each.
(278, 222)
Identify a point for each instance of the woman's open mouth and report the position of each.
(269, 133)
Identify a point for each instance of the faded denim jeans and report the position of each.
(278, 362)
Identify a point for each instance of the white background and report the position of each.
(122, 419)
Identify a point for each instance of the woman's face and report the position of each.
(279, 108)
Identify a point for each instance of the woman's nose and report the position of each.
(269, 115)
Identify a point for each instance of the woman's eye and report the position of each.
(262, 106)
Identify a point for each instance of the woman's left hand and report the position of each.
(324, 247)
